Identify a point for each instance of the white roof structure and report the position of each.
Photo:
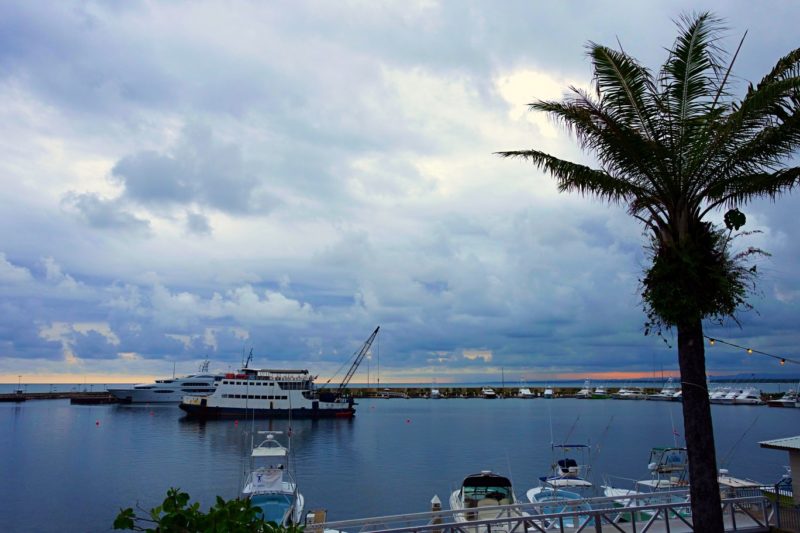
(271, 451)
(788, 444)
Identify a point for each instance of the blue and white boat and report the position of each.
(566, 489)
(269, 484)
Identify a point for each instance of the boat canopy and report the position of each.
(271, 451)
(486, 479)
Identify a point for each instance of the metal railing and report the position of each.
(635, 513)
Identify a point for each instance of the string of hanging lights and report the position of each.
(750, 351)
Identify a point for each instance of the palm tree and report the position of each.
(674, 148)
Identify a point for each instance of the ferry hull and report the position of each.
(199, 411)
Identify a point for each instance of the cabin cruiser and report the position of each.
(749, 396)
(566, 489)
(269, 484)
(548, 392)
(435, 394)
(635, 393)
(485, 496)
(599, 393)
(789, 399)
(488, 393)
(170, 390)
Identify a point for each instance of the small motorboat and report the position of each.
(485, 496)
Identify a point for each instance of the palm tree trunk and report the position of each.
(704, 485)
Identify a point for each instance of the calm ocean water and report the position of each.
(71, 468)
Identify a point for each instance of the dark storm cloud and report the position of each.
(105, 214)
(200, 170)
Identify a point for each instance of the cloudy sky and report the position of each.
(183, 180)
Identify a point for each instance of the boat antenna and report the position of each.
(674, 431)
(566, 439)
(600, 440)
(550, 416)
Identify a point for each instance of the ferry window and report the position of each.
(163, 392)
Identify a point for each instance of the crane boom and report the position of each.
(358, 358)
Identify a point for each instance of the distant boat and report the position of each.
(548, 392)
(435, 394)
(635, 393)
(789, 399)
(269, 484)
(586, 391)
(485, 496)
(170, 390)
(488, 393)
(749, 396)
(667, 394)
(599, 393)
(525, 393)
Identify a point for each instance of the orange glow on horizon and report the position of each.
(615, 375)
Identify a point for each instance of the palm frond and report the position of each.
(573, 177)
(747, 187)
(620, 149)
(626, 87)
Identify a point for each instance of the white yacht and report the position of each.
(789, 399)
(749, 396)
(634, 393)
(269, 484)
(485, 496)
(488, 393)
(525, 392)
(548, 392)
(435, 394)
(730, 397)
(667, 393)
(600, 393)
(586, 391)
(170, 390)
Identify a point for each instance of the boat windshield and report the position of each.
(273, 507)
(494, 492)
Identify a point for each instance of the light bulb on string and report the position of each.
(712, 342)
(749, 351)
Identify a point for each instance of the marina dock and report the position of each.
(75, 397)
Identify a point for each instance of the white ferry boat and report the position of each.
(273, 393)
(170, 390)
(269, 393)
